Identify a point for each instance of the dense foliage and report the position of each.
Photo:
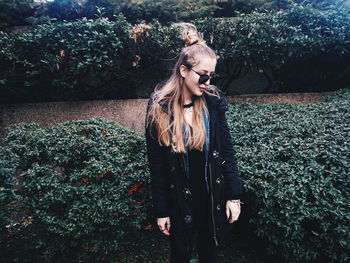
(83, 188)
(14, 12)
(64, 59)
(248, 6)
(300, 48)
(19, 12)
(135, 11)
(295, 163)
(8, 163)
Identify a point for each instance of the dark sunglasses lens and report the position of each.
(203, 79)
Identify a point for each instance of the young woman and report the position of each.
(196, 189)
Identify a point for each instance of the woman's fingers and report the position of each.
(168, 226)
(234, 217)
(166, 232)
(232, 211)
(227, 212)
(164, 225)
(231, 219)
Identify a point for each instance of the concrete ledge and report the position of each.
(128, 113)
(292, 98)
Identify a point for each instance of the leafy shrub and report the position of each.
(8, 164)
(66, 59)
(294, 160)
(84, 186)
(88, 59)
(296, 48)
(135, 11)
(14, 12)
(164, 10)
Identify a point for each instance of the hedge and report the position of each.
(84, 187)
(8, 163)
(97, 59)
(294, 160)
(86, 183)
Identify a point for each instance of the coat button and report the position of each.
(215, 154)
(218, 180)
(188, 219)
(186, 191)
(172, 186)
(218, 207)
(172, 168)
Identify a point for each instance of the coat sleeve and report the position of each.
(232, 182)
(157, 168)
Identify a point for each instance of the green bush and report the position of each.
(165, 10)
(15, 12)
(85, 186)
(134, 11)
(96, 59)
(8, 163)
(273, 38)
(294, 161)
(296, 48)
(66, 60)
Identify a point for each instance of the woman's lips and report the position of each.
(202, 89)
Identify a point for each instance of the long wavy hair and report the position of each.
(169, 124)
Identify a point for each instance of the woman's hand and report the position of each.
(233, 209)
(164, 225)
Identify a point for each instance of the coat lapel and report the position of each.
(211, 101)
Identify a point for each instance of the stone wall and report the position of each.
(129, 113)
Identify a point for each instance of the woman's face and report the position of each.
(191, 86)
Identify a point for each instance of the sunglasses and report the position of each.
(203, 78)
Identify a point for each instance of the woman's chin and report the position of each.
(199, 92)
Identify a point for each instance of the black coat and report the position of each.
(170, 185)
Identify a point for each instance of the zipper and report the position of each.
(211, 182)
(205, 173)
(185, 169)
(185, 165)
(212, 206)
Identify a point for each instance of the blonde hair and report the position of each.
(169, 125)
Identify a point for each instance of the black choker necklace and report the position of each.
(188, 105)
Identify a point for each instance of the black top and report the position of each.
(196, 159)
(160, 158)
